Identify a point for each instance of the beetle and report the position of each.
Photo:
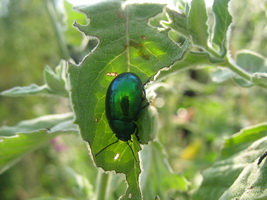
(125, 99)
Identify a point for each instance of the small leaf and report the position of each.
(44, 122)
(126, 44)
(221, 74)
(197, 22)
(72, 36)
(194, 24)
(21, 144)
(190, 60)
(157, 198)
(178, 22)
(148, 131)
(24, 91)
(260, 79)
(50, 198)
(238, 160)
(252, 63)
(242, 139)
(250, 184)
(223, 19)
(29, 135)
(166, 180)
(241, 81)
(56, 84)
(56, 81)
(80, 184)
(262, 197)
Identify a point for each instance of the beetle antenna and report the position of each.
(106, 147)
(131, 150)
(147, 81)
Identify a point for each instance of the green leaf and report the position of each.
(56, 81)
(252, 63)
(148, 131)
(236, 170)
(50, 198)
(250, 184)
(72, 36)
(184, 6)
(190, 60)
(159, 180)
(80, 184)
(177, 21)
(262, 197)
(197, 22)
(242, 140)
(157, 198)
(56, 84)
(14, 148)
(24, 91)
(44, 122)
(29, 135)
(126, 43)
(221, 74)
(260, 79)
(223, 19)
(194, 25)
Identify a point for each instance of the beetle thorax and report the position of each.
(123, 129)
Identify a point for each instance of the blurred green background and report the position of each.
(201, 112)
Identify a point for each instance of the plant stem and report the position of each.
(103, 185)
(58, 30)
(228, 62)
(238, 70)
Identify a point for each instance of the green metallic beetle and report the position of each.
(125, 99)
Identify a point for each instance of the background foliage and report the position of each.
(202, 112)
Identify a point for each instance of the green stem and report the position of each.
(238, 70)
(58, 30)
(212, 52)
(103, 185)
(228, 62)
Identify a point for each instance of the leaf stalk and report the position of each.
(103, 185)
(58, 30)
(235, 68)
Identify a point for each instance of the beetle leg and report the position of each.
(106, 147)
(143, 99)
(262, 157)
(146, 105)
(143, 95)
(136, 132)
(131, 150)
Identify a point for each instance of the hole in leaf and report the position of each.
(130, 195)
(116, 156)
(112, 74)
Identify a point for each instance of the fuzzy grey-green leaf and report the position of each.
(32, 89)
(194, 24)
(197, 21)
(127, 43)
(238, 159)
(29, 135)
(223, 19)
